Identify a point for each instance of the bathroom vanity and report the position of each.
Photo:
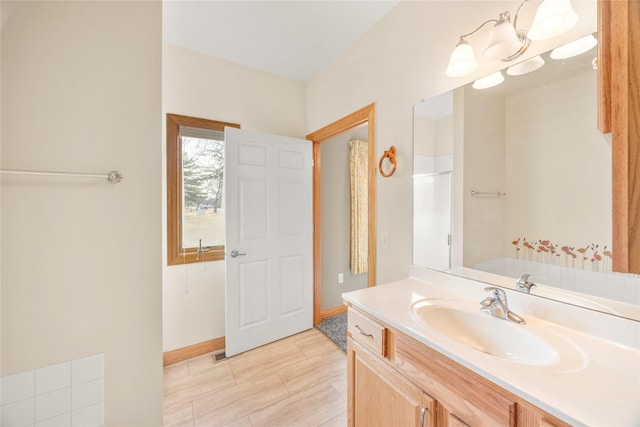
(420, 352)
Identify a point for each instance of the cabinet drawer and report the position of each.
(367, 332)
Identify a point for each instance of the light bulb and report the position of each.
(489, 81)
(574, 48)
(463, 60)
(526, 66)
(554, 17)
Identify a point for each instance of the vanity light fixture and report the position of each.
(506, 42)
(554, 17)
(525, 67)
(489, 81)
(574, 48)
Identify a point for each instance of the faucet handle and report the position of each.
(497, 293)
(523, 284)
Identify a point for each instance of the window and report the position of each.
(195, 189)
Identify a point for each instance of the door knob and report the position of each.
(235, 253)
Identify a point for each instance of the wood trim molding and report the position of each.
(604, 66)
(365, 115)
(194, 350)
(330, 312)
(342, 125)
(621, 37)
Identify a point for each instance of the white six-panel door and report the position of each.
(269, 225)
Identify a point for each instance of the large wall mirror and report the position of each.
(516, 179)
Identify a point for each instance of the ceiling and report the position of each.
(294, 39)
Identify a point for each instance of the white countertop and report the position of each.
(602, 390)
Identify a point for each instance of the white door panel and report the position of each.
(269, 285)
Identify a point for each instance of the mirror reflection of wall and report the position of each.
(532, 150)
(335, 217)
(539, 145)
(433, 164)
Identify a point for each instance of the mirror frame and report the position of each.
(618, 106)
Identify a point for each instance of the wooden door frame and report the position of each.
(366, 115)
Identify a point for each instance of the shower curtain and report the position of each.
(358, 166)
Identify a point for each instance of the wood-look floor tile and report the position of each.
(201, 363)
(192, 387)
(312, 407)
(175, 371)
(225, 406)
(297, 381)
(313, 370)
(265, 362)
(339, 382)
(180, 416)
(242, 422)
(315, 344)
(285, 342)
(339, 421)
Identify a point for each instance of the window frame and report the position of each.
(176, 254)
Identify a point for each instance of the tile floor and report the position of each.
(298, 381)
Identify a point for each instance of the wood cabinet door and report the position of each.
(378, 396)
(444, 418)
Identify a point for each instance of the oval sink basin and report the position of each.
(525, 344)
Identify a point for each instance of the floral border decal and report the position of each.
(547, 252)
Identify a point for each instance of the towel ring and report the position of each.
(391, 155)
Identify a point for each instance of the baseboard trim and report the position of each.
(190, 351)
(333, 311)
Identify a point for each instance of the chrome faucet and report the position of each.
(524, 285)
(496, 305)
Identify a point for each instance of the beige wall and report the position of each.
(3, 17)
(198, 85)
(397, 63)
(444, 136)
(484, 170)
(424, 136)
(81, 272)
(432, 137)
(542, 148)
(559, 166)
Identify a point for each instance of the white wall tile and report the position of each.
(527, 267)
(614, 287)
(632, 290)
(17, 387)
(89, 416)
(63, 420)
(53, 378)
(87, 394)
(443, 163)
(598, 285)
(87, 369)
(422, 164)
(46, 396)
(569, 278)
(53, 404)
(583, 281)
(18, 413)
